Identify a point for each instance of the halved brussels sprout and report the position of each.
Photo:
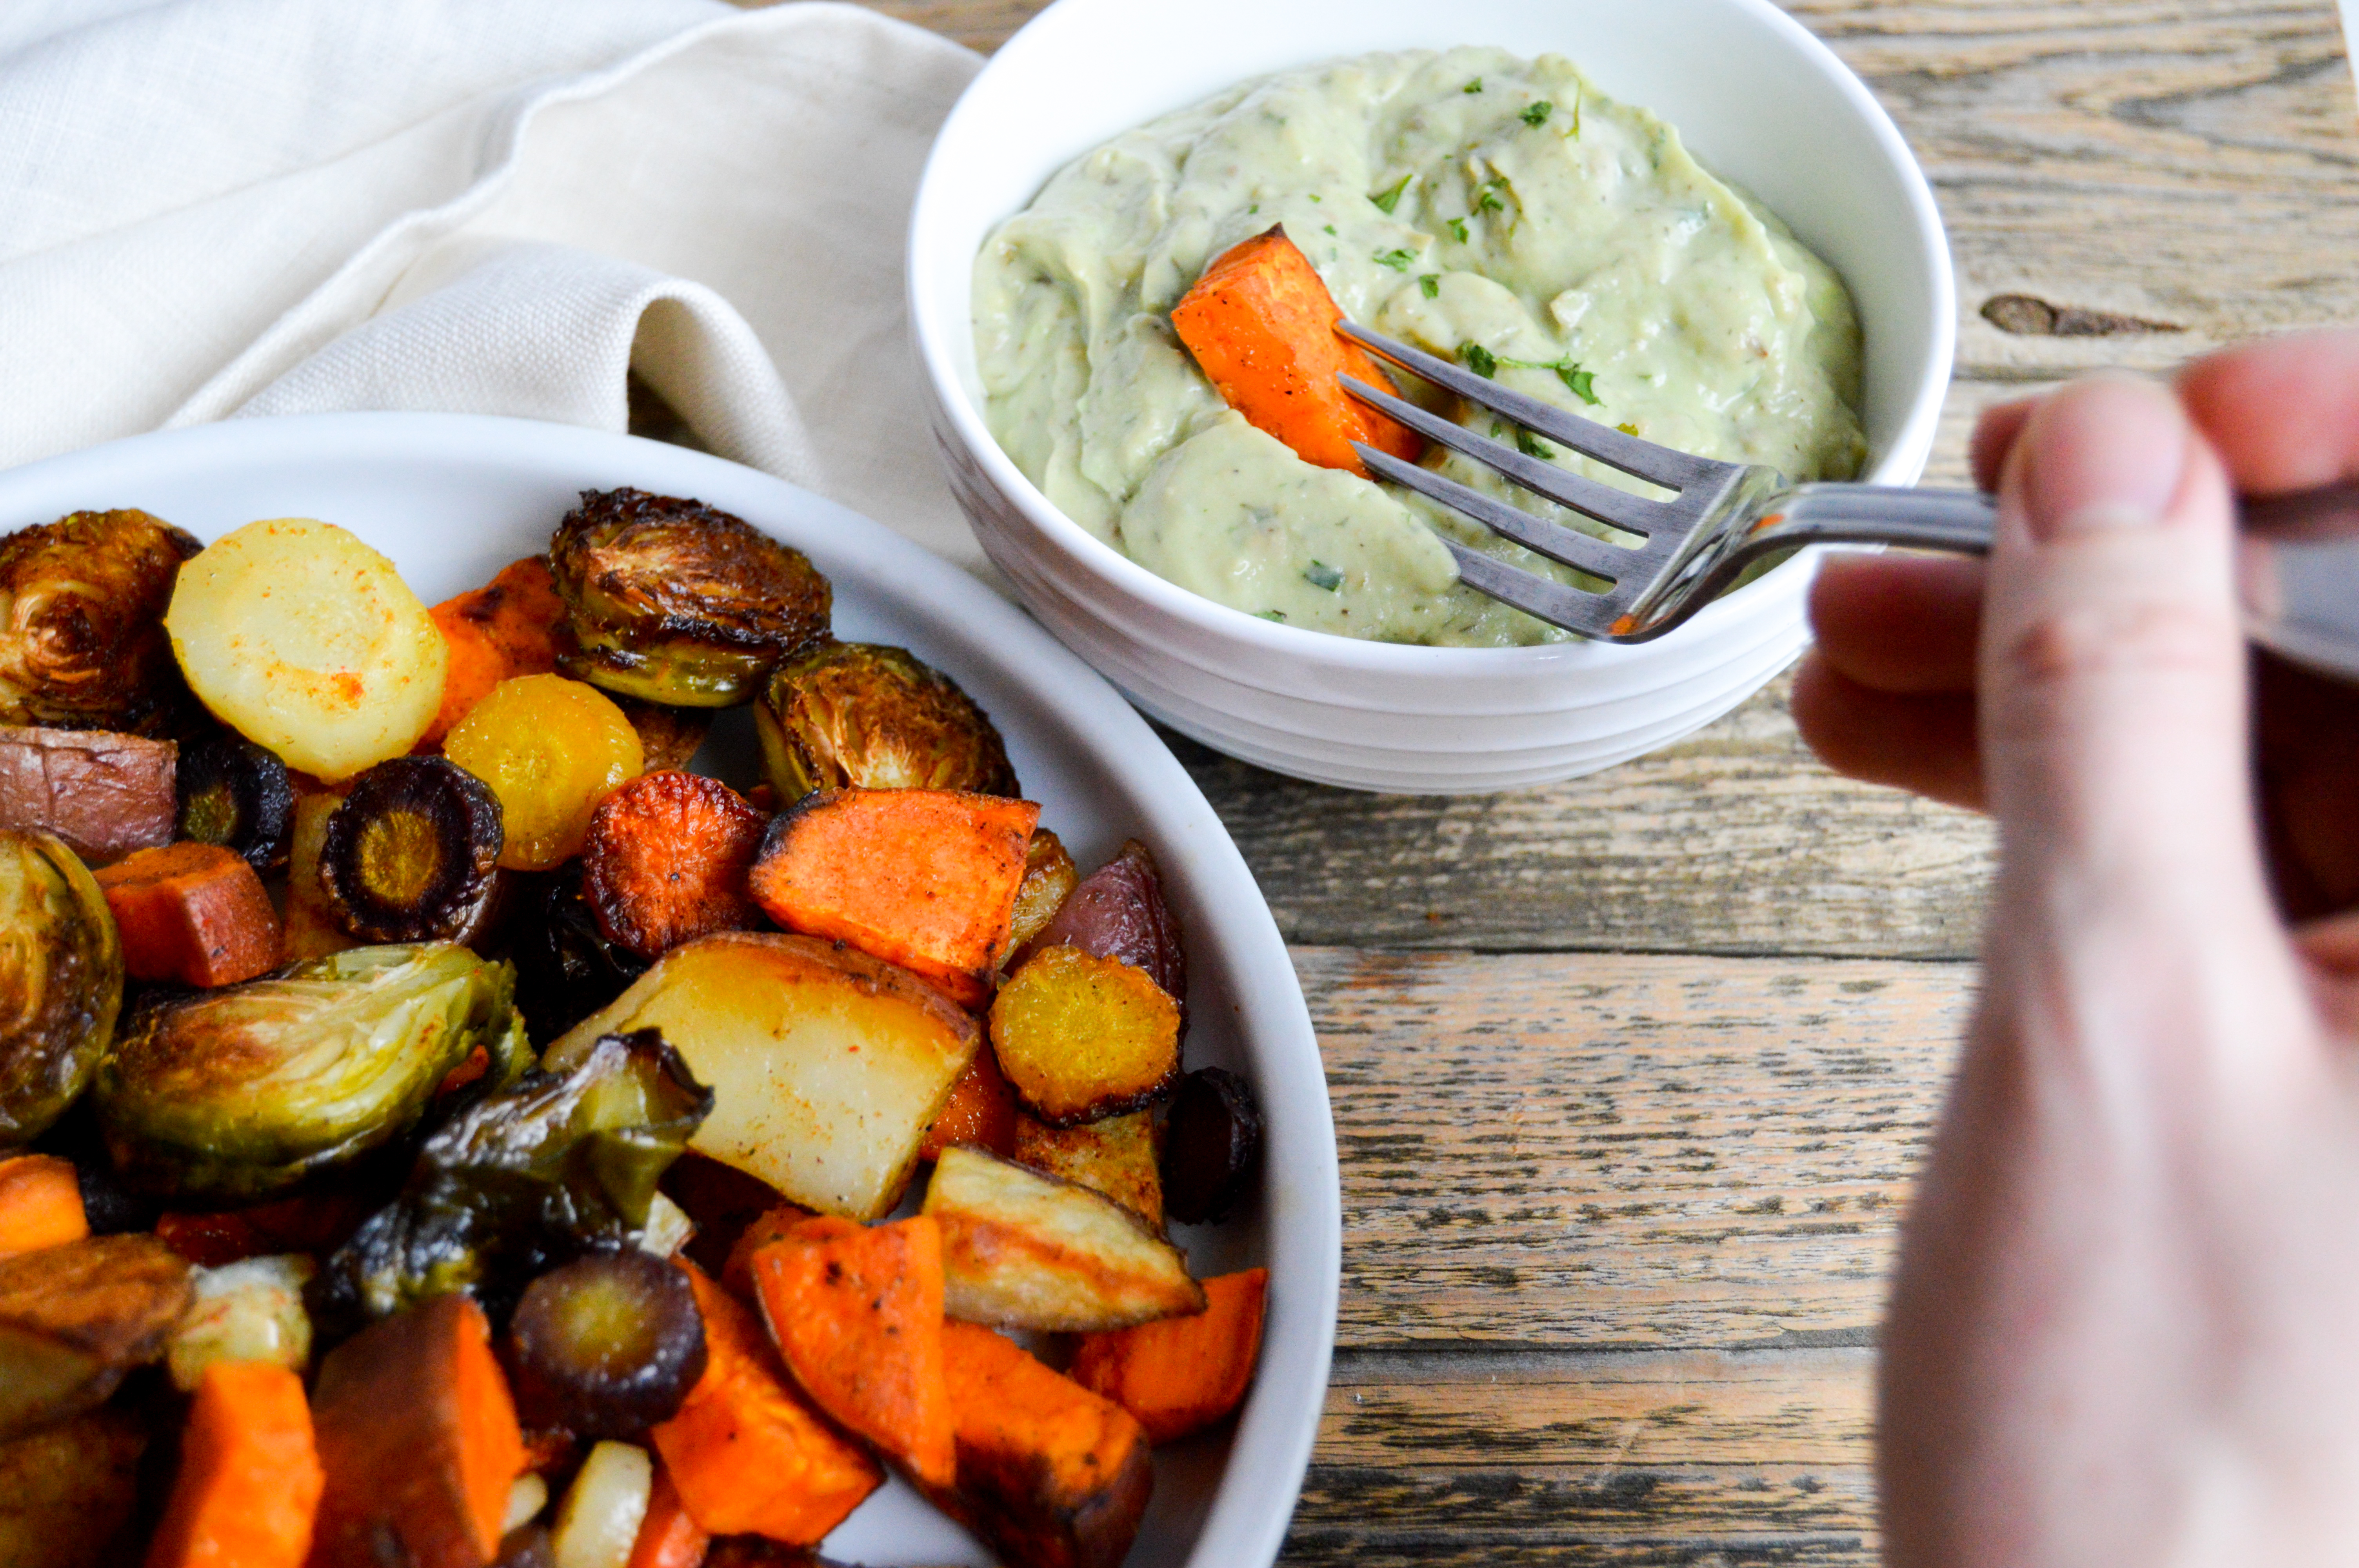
(61, 981)
(82, 621)
(878, 717)
(672, 601)
(561, 1165)
(240, 1093)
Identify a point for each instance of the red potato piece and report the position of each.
(1119, 911)
(104, 795)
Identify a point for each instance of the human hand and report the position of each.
(2120, 1329)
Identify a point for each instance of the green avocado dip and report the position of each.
(1498, 211)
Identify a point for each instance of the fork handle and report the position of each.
(1958, 521)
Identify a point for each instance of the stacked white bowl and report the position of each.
(1756, 98)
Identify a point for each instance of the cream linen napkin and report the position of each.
(212, 208)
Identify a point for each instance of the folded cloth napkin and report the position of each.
(212, 208)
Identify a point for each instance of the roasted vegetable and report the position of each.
(307, 927)
(745, 1450)
(234, 794)
(1212, 1140)
(505, 629)
(1262, 326)
(828, 1064)
(104, 795)
(1179, 1375)
(1115, 1156)
(721, 1200)
(1082, 1037)
(567, 966)
(1026, 1250)
(862, 714)
(1119, 911)
(1048, 1472)
(550, 749)
(666, 859)
(418, 1440)
(857, 1312)
(194, 914)
(307, 642)
(668, 1536)
(409, 855)
(250, 1311)
(60, 982)
(241, 1093)
(672, 601)
(605, 1346)
(40, 1203)
(737, 1268)
(70, 1492)
(562, 1163)
(981, 1113)
(74, 1319)
(82, 621)
(249, 1479)
(599, 1517)
(1050, 879)
(921, 878)
(669, 737)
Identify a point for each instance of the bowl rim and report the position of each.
(1900, 463)
(1245, 1513)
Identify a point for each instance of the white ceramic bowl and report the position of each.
(453, 498)
(1757, 99)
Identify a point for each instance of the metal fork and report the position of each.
(2299, 568)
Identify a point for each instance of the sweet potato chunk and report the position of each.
(1117, 1157)
(40, 1203)
(1026, 1250)
(419, 1439)
(104, 795)
(981, 1113)
(1262, 326)
(1049, 1473)
(1181, 1374)
(249, 1481)
(857, 1312)
(196, 913)
(1082, 1037)
(922, 878)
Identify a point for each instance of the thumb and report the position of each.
(2112, 680)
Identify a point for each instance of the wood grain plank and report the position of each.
(1599, 1149)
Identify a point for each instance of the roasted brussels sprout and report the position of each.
(560, 1165)
(671, 601)
(82, 621)
(567, 968)
(606, 1345)
(669, 737)
(234, 794)
(240, 1093)
(861, 713)
(409, 856)
(61, 981)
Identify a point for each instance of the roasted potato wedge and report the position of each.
(74, 1319)
(1082, 1037)
(1050, 878)
(827, 1064)
(1021, 1249)
(1115, 1156)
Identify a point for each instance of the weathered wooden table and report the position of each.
(1630, 1073)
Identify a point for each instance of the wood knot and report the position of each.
(2027, 316)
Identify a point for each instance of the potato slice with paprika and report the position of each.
(922, 878)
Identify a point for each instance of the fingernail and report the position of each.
(2103, 454)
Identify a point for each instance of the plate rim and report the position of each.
(1270, 1451)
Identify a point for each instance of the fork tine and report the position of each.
(1665, 466)
(1631, 514)
(1556, 604)
(1558, 543)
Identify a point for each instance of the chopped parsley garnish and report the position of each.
(1627, 428)
(1314, 196)
(1576, 109)
(1531, 445)
(1487, 198)
(1319, 574)
(1581, 382)
(1273, 615)
(1538, 114)
(1331, 228)
(1473, 86)
(1254, 209)
(1430, 286)
(1387, 199)
(1397, 260)
(1458, 229)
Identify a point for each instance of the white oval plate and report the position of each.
(451, 498)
